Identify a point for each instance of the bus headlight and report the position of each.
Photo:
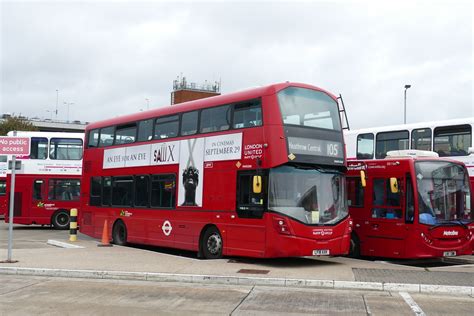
(281, 226)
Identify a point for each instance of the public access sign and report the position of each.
(18, 146)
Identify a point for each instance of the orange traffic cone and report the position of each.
(105, 237)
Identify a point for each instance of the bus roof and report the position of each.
(431, 124)
(47, 134)
(410, 153)
(247, 94)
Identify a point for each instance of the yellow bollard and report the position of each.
(73, 225)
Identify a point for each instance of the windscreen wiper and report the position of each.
(450, 223)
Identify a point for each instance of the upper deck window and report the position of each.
(65, 149)
(39, 148)
(388, 141)
(365, 146)
(145, 130)
(125, 134)
(106, 136)
(189, 123)
(310, 108)
(453, 140)
(215, 119)
(248, 114)
(93, 139)
(166, 127)
(421, 139)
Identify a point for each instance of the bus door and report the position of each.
(36, 197)
(3, 196)
(386, 229)
(246, 229)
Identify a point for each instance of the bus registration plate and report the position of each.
(321, 252)
(449, 253)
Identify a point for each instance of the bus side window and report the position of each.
(39, 148)
(189, 123)
(166, 127)
(106, 136)
(95, 191)
(385, 203)
(247, 114)
(215, 119)
(249, 204)
(142, 191)
(106, 191)
(93, 138)
(355, 192)
(409, 202)
(388, 141)
(452, 140)
(122, 188)
(37, 190)
(163, 191)
(145, 130)
(125, 134)
(65, 148)
(365, 146)
(3, 187)
(421, 139)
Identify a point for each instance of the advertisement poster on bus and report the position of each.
(191, 163)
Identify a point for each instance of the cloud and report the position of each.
(108, 57)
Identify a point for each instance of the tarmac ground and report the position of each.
(26, 295)
(37, 257)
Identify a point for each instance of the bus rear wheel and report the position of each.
(211, 244)
(60, 220)
(119, 234)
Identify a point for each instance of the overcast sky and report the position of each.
(109, 57)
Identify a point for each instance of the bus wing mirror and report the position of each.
(362, 178)
(257, 184)
(394, 185)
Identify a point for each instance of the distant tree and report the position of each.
(15, 124)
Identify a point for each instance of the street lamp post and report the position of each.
(147, 104)
(57, 98)
(407, 86)
(68, 104)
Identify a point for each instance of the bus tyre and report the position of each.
(119, 234)
(211, 244)
(354, 251)
(60, 220)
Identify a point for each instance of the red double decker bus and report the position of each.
(410, 206)
(256, 173)
(48, 184)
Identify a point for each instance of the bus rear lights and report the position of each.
(426, 239)
(281, 226)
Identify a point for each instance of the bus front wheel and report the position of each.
(211, 244)
(119, 234)
(354, 251)
(60, 220)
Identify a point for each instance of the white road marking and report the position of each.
(61, 244)
(411, 302)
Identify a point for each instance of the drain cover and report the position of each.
(433, 263)
(253, 271)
